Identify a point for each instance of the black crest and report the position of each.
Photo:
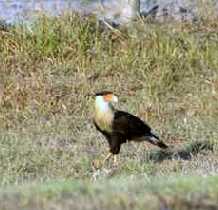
(102, 93)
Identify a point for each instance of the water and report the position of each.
(13, 11)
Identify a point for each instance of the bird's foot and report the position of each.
(97, 164)
(107, 158)
(115, 163)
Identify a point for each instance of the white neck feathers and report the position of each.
(101, 105)
(104, 114)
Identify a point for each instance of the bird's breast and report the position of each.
(104, 121)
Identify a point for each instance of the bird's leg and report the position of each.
(115, 159)
(146, 146)
(107, 157)
(99, 164)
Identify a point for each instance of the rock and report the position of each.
(117, 12)
(124, 11)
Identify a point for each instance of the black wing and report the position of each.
(129, 125)
(115, 139)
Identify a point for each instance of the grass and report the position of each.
(165, 73)
(118, 193)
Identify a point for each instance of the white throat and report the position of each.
(102, 105)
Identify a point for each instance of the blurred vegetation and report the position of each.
(173, 192)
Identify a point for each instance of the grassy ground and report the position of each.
(119, 193)
(165, 73)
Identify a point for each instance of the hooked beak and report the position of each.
(115, 99)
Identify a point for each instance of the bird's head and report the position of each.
(104, 99)
(106, 96)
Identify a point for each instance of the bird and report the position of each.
(118, 126)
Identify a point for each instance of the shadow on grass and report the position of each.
(185, 152)
(200, 203)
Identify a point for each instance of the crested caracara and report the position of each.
(119, 126)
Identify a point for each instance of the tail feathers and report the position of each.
(154, 136)
(162, 145)
(154, 139)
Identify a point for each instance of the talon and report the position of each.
(115, 160)
(96, 164)
(106, 158)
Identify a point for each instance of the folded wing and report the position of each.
(129, 125)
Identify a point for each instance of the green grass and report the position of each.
(173, 192)
(165, 73)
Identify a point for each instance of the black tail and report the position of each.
(153, 139)
(162, 145)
